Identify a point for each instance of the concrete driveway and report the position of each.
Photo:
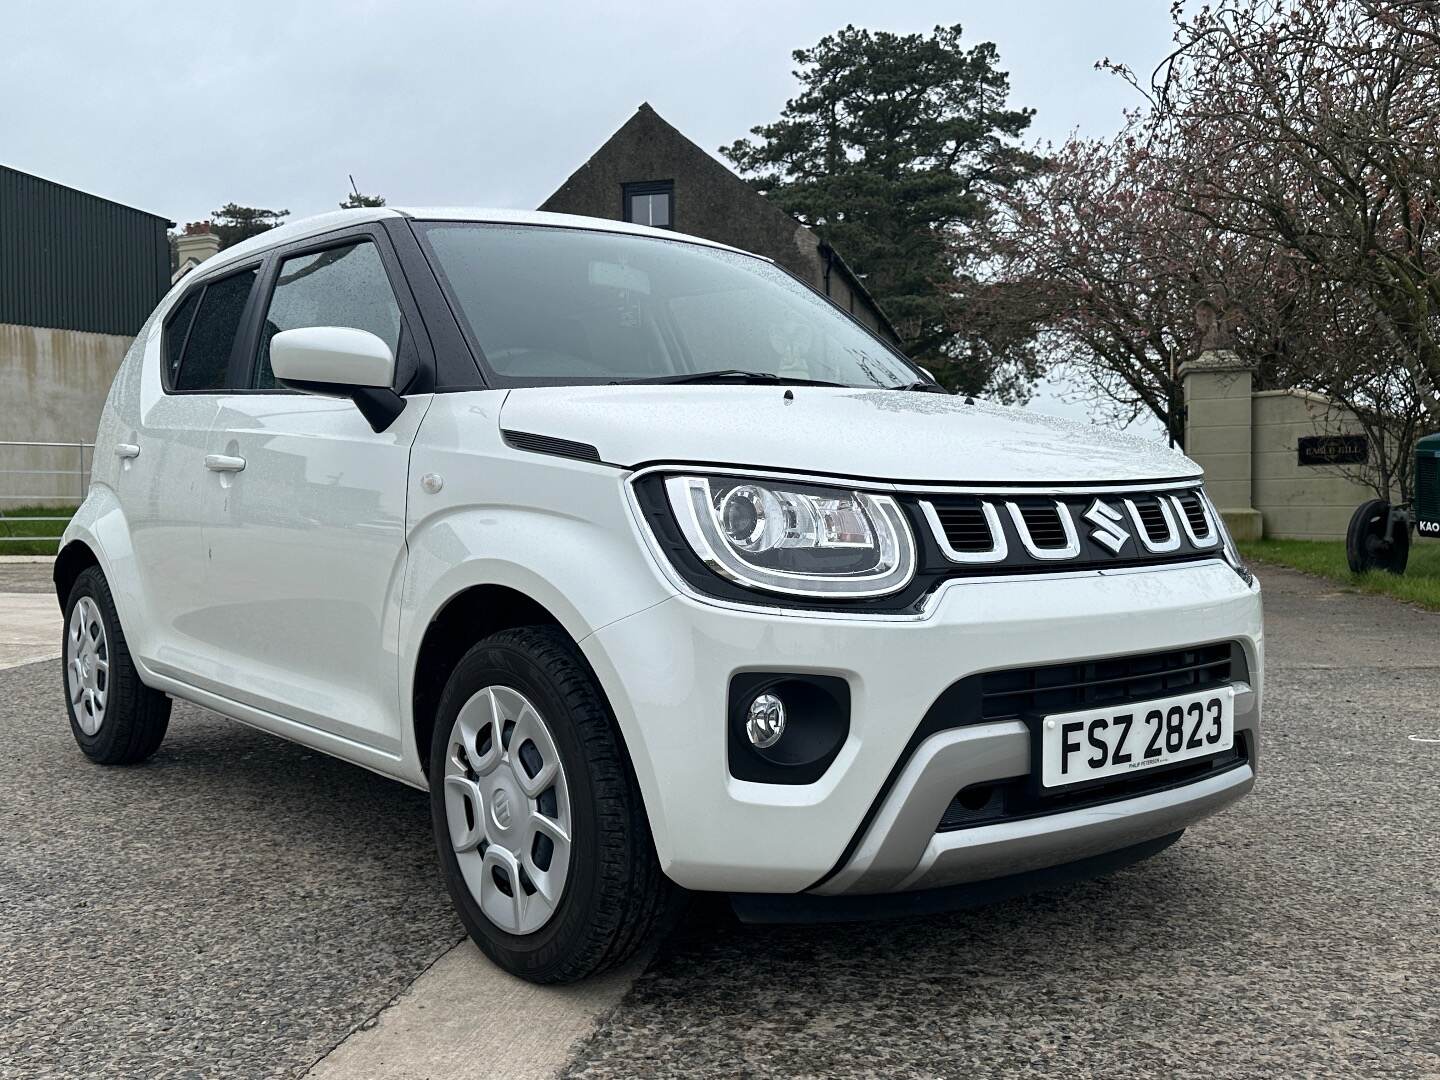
(243, 907)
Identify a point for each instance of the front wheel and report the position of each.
(542, 837)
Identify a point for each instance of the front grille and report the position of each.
(1014, 799)
(1065, 532)
(1043, 521)
(1427, 487)
(964, 523)
(1057, 688)
(1154, 519)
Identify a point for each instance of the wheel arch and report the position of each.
(73, 559)
(468, 616)
(99, 535)
(474, 613)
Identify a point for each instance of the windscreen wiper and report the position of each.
(723, 375)
(921, 387)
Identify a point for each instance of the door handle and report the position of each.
(224, 463)
(127, 450)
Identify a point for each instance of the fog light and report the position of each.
(765, 721)
(784, 728)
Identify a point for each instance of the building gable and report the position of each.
(648, 154)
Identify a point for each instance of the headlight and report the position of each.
(1232, 553)
(798, 539)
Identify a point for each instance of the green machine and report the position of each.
(1379, 534)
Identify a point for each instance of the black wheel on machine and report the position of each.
(1365, 544)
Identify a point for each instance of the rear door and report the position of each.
(305, 527)
(165, 486)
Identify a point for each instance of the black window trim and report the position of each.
(647, 187)
(198, 288)
(414, 357)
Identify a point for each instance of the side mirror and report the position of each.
(340, 361)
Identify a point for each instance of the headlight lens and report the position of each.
(799, 539)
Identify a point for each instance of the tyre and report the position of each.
(1365, 545)
(542, 837)
(115, 718)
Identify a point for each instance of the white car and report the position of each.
(658, 571)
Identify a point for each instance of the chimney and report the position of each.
(196, 244)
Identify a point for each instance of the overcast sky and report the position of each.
(180, 108)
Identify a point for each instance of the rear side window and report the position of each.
(341, 286)
(206, 352)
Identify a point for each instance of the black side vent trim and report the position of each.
(549, 444)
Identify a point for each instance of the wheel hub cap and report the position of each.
(87, 665)
(507, 807)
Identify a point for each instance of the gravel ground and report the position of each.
(1296, 934)
(238, 905)
(234, 907)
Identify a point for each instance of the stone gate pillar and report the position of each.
(1218, 434)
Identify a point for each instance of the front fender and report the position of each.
(588, 572)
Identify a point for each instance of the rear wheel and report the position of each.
(542, 837)
(1365, 545)
(116, 719)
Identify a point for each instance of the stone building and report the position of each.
(649, 173)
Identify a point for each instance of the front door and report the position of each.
(305, 535)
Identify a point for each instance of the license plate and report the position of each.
(1095, 744)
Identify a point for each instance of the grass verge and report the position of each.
(22, 522)
(1420, 584)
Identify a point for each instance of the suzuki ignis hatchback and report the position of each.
(658, 571)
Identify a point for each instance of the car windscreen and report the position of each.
(561, 304)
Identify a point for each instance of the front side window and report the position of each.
(340, 286)
(205, 360)
(574, 305)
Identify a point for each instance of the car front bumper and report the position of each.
(869, 824)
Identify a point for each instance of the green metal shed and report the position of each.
(74, 261)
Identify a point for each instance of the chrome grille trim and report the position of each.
(1142, 533)
(1022, 529)
(1001, 492)
(1212, 534)
(999, 548)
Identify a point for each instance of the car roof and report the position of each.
(320, 224)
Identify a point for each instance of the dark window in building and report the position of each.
(651, 203)
(343, 286)
(212, 336)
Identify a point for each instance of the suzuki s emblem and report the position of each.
(1107, 531)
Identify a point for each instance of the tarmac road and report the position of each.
(240, 906)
